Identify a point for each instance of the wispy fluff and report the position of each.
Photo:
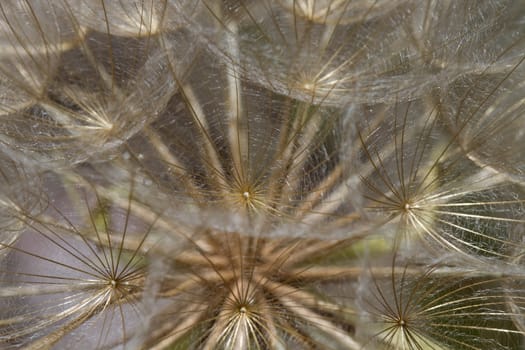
(321, 174)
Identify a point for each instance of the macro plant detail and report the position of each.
(308, 174)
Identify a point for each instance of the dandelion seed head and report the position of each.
(241, 175)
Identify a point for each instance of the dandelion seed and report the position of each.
(426, 310)
(414, 175)
(299, 48)
(102, 94)
(62, 278)
(275, 160)
(235, 294)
